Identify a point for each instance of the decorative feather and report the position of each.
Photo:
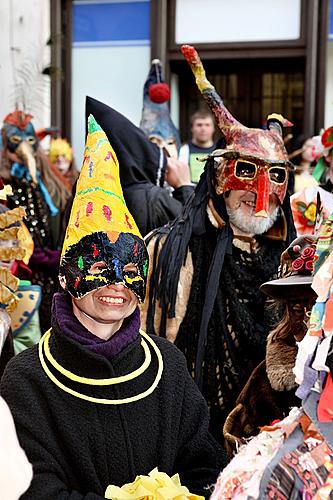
(30, 91)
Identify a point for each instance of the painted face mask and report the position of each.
(18, 128)
(15, 136)
(103, 245)
(253, 159)
(251, 174)
(21, 139)
(95, 261)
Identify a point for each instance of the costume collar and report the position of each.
(213, 215)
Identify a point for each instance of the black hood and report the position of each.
(139, 159)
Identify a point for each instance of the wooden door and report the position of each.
(251, 89)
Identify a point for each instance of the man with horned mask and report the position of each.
(207, 266)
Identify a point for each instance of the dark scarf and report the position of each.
(238, 324)
(62, 314)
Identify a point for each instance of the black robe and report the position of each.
(142, 167)
(78, 448)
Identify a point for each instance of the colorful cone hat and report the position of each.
(100, 228)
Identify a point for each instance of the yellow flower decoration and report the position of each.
(310, 212)
(156, 486)
(60, 147)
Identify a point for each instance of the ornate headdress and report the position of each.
(60, 147)
(253, 159)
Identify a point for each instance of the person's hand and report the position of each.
(177, 173)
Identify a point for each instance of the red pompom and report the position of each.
(159, 92)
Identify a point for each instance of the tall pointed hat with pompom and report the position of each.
(156, 121)
(102, 237)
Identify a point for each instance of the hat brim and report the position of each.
(284, 288)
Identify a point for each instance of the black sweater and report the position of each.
(78, 448)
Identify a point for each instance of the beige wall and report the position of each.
(113, 75)
(213, 21)
(329, 86)
(25, 26)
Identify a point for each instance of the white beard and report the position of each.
(251, 224)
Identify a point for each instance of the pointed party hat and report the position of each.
(99, 204)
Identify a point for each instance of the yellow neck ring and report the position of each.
(91, 399)
(93, 381)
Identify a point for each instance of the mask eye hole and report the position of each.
(245, 169)
(277, 175)
(98, 267)
(131, 268)
(15, 139)
(31, 139)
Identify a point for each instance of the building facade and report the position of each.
(263, 56)
(24, 59)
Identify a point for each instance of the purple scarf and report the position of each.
(62, 312)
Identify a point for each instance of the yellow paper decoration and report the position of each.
(10, 233)
(11, 216)
(8, 236)
(13, 253)
(8, 279)
(8, 298)
(99, 203)
(7, 190)
(156, 486)
(26, 242)
(60, 147)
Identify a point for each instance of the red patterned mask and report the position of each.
(251, 174)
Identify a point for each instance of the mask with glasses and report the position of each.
(262, 177)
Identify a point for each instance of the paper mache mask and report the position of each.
(253, 159)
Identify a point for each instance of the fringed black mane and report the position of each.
(166, 268)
